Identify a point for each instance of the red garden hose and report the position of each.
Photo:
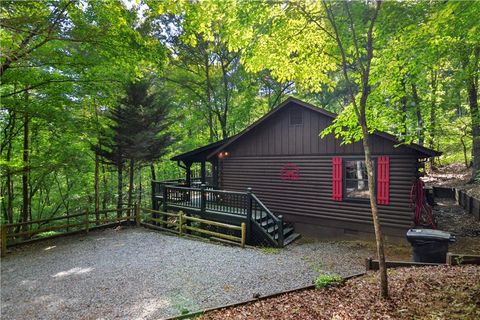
(423, 212)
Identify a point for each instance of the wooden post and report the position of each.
(449, 259)
(203, 172)
(137, 214)
(249, 215)
(188, 173)
(215, 174)
(180, 223)
(87, 222)
(368, 264)
(280, 231)
(3, 240)
(164, 195)
(244, 231)
(154, 193)
(163, 187)
(203, 198)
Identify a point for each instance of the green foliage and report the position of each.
(218, 65)
(327, 280)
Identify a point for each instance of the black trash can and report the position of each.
(429, 245)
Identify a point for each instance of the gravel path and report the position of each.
(135, 273)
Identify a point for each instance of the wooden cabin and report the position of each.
(315, 185)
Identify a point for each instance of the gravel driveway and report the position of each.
(135, 273)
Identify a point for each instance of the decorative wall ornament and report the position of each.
(290, 171)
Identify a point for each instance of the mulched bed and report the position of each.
(415, 293)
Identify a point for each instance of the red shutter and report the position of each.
(337, 179)
(383, 179)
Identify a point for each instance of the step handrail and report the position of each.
(264, 208)
(278, 221)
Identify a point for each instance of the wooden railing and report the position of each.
(261, 213)
(226, 201)
(172, 222)
(23, 232)
(182, 182)
(204, 200)
(181, 224)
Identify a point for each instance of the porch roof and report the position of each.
(200, 154)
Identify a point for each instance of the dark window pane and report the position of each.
(356, 183)
(355, 169)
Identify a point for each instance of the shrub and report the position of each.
(326, 280)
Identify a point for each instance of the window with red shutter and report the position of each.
(383, 179)
(337, 186)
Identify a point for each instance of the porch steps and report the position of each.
(269, 225)
(292, 237)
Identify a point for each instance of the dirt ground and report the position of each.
(415, 293)
(453, 176)
(450, 217)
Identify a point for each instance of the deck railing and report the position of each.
(226, 201)
(203, 201)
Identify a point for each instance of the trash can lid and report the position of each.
(428, 234)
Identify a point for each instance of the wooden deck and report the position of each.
(263, 227)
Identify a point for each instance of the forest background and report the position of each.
(96, 96)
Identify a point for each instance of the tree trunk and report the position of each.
(131, 174)
(25, 189)
(119, 189)
(152, 171)
(375, 217)
(403, 102)
(464, 146)
(9, 180)
(105, 189)
(140, 189)
(223, 118)
(474, 114)
(360, 112)
(433, 116)
(97, 188)
(418, 112)
(209, 99)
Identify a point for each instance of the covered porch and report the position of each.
(207, 172)
(200, 195)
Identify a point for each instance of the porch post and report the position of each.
(249, 215)
(203, 172)
(188, 173)
(215, 174)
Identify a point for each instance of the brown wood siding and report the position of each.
(257, 158)
(277, 137)
(311, 195)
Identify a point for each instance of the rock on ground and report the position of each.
(135, 273)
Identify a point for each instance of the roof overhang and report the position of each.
(199, 154)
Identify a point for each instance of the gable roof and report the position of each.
(427, 152)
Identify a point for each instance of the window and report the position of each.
(356, 183)
(296, 117)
